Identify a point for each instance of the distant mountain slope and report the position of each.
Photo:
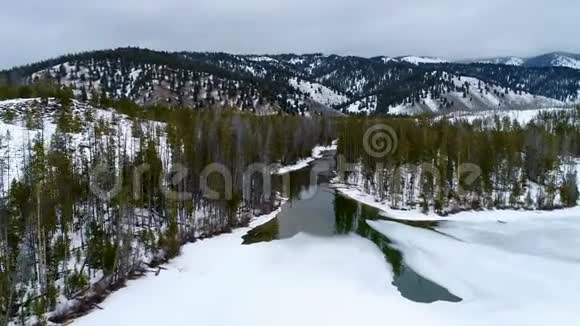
(267, 84)
(510, 61)
(554, 59)
(419, 60)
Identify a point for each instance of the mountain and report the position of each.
(510, 61)
(555, 59)
(420, 60)
(300, 84)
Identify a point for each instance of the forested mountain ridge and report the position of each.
(266, 84)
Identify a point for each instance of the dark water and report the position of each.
(317, 209)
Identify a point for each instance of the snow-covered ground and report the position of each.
(509, 61)
(367, 106)
(318, 92)
(506, 274)
(566, 61)
(301, 281)
(301, 164)
(420, 60)
(522, 116)
(17, 138)
(357, 194)
(525, 272)
(474, 95)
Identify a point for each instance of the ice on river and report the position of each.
(508, 274)
(521, 272)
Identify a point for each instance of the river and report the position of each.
(315, 208)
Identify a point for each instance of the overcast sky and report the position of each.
(452, 29)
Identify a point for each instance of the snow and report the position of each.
(319, 150)
(388, 59)
(367, 106)
(564, 61)
(427, 104)
(404, 109)
(497, 97)
(421, 60)
(262, 59)
(16, 138)
(133, 76)
(301, 281)
(301, 164)
(510, 61)
(318, 92)
(345, 280)
(357, 194)
(520, 273)
(480, 96)
(522, 116)
(514, 234)
(296, 61)
(514, 61)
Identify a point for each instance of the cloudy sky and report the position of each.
(453, 29)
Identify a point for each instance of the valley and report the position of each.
(321, 261)
(145, 187)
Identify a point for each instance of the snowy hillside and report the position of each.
(471, 94)
(510, 61)
(565, 61)
(523, 117)
(24, 121)
(318, 92)
(365, 106)
(555, 59)
(420, 60)
(154, 84)
(293, 83)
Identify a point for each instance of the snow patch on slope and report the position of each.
(262, 59)
(523, 117)
(509, 61)
(564, 61)
(301, 164)
(421, 60)
(365, 106)
(494, 96)
(318, 92)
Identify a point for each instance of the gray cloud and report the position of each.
(453, 29)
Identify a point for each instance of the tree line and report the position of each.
(62, 240)
(445, 166)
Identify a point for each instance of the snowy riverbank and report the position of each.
(524, 271)
(316, 154)
(504, 276)
(355, 193)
